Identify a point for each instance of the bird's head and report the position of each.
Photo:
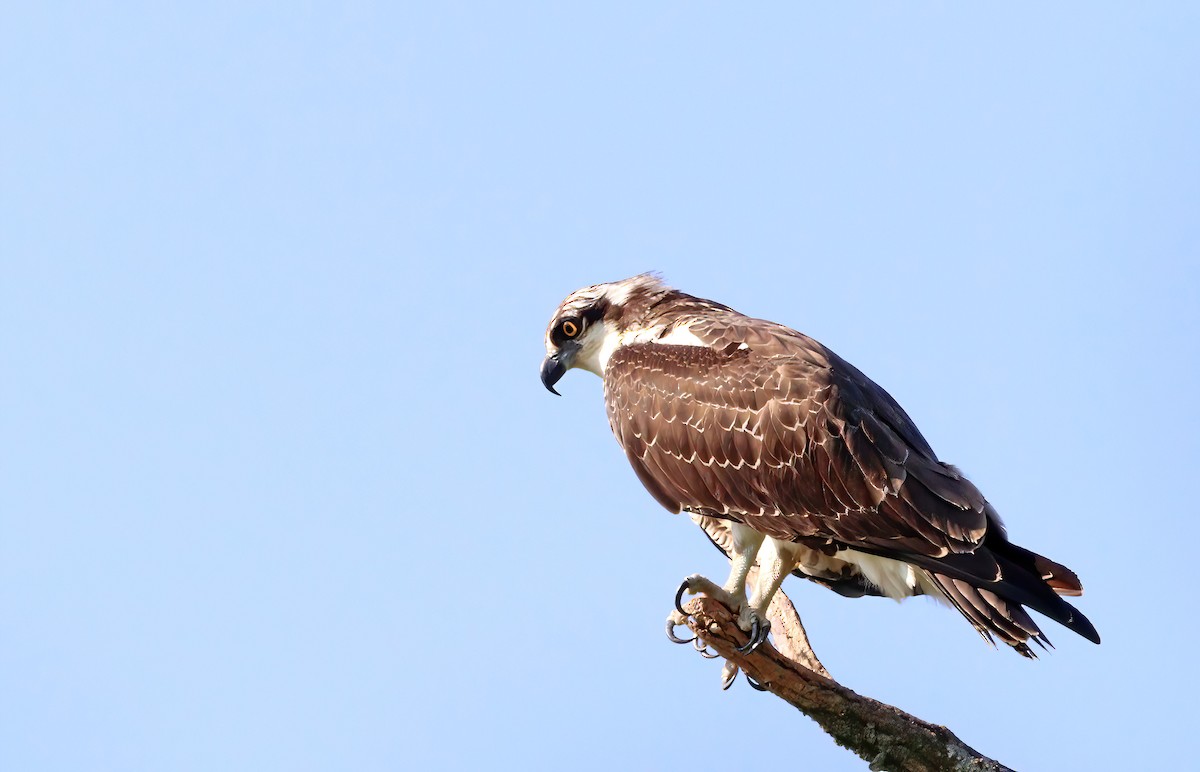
(587, 327)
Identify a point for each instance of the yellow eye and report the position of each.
(569, 328)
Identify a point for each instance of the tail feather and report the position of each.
(1025, 571)
(993, 603)
(1060, 578)
(991, 615)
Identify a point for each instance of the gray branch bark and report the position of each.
(885, 736)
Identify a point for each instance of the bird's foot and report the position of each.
(754, 623)
(749, 620)
(755, 685)
(692, 585)
(676, 619)
(696, 584)
(729, 674)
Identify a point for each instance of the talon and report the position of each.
(702, 647)
(749, 645)
(684, 587)
(728, 675)
(754, 684)
(758, 635)
(766, 630)
(755, 628)
(671, 625)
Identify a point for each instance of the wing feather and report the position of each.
(784, 429)
(765, 426)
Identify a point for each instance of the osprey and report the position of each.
(815, 468)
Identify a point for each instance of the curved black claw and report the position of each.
(755, 626)
(758, 635)
(674, 638)
(702, 647)
(755, 684)
(679, 597)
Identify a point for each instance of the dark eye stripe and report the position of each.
(595, 313)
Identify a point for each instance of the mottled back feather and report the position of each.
(765, 426)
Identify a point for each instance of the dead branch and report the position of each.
(885, 736)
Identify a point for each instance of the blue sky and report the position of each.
(280, 489)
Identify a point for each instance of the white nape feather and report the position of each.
(619, 292)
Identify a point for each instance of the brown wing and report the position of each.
(768, 427)
(790, 440)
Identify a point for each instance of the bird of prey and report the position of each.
(815, 468)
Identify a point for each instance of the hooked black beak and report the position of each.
(555, 366)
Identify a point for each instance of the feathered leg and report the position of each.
(746, 544)
(776, 560)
